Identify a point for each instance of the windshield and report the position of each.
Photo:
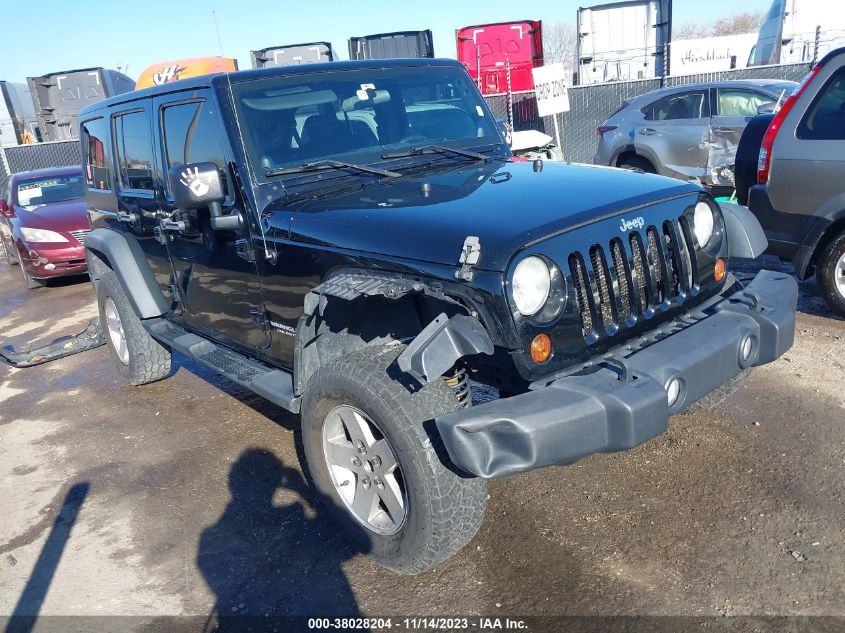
(49, 190)
(358, 115)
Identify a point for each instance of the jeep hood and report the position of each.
(506, 205)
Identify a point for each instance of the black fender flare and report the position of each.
(125, 257)
(746, 238)
(815, 239)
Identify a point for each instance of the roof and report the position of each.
(48, 171)
(206, 81)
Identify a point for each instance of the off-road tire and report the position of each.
(445, 508)
(719, 395)
(826, 271)
(29, 282)
(638, 163)
(149, 360)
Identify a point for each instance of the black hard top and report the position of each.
(206, 81)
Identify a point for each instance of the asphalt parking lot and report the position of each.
(186, 497)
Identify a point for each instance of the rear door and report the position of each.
(135, 184)
(675, 133)
(218, 288)
(733, 108)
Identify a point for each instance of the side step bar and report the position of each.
(271, 383)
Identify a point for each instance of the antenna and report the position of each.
(269, 253)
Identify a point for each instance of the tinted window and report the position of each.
(95, 147)
(825, 120)
(191, 135)
(689, 105)
(134, 150)
(744, 103)
(48, 190)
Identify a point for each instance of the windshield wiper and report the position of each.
(321, 165)
(435, 149)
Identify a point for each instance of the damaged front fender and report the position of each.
(441, 343)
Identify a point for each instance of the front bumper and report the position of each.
(46, 263)
(619, 403)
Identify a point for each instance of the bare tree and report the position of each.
(559, 44)
(745, 22)
(691, 31)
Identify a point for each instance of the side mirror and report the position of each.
(6, 210)
(195, 185)
(766, 108)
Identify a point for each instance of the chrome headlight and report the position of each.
(41, 235)
(530, 286)
(703, 222)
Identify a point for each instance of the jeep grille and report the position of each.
(632, 277)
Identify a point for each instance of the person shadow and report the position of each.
(273, 566)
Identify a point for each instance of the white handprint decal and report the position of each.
(193, 181)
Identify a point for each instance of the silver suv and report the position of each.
(800, 195)
(688, 132)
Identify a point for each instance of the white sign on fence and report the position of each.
(550, 88)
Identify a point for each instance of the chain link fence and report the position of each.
(592, 105)
(18, 158)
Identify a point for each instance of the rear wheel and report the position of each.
(139, 357)
(830, 274)
(372, 455)
(638, 163)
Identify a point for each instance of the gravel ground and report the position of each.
(186, 496)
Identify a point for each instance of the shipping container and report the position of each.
(58, 97)
(293, 55)
(18, 123)
(622, 41)
(390, 45)
(495, 53)
(176, 69)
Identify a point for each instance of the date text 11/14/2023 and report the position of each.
(419, 624)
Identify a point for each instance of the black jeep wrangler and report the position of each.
(355, 242)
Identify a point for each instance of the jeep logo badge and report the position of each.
(629, 225)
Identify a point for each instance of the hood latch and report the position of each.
(470, 253)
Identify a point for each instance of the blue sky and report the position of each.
(86, 33)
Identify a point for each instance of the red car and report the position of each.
(46, 219)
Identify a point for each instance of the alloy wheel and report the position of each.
(364, 470)
(116, 333)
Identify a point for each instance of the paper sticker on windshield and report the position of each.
(25, 195)
(362, 93)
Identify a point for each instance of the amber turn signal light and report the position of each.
(541, 348)
(720, 270)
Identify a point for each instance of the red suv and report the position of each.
(46, 220)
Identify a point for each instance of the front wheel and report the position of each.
(139, 357)
(831, 274)
(371, 454)
(29, 282)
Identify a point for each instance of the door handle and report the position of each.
(647, 131)
(723, 130)
(126, 217)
